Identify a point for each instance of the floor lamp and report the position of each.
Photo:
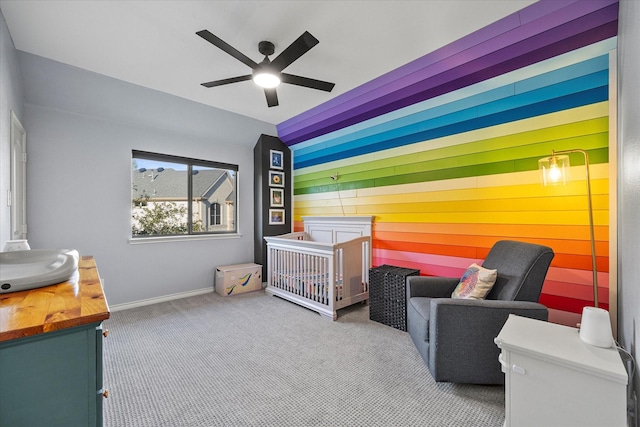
(554, 170)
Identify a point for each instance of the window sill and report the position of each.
(189, 238)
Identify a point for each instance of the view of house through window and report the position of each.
(173, 195)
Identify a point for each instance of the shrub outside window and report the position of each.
(173, 196)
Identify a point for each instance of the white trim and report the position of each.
(185, 238)
(17, 196)
(613, 191)
(155, 300)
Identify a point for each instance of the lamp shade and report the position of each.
(595, 327)
(554, 170)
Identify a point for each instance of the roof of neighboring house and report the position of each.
(170, 183)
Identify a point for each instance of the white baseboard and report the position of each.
(155, 300)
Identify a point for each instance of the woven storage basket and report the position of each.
(387, 295)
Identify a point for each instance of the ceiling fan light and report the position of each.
(266, 80)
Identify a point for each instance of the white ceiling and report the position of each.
(153, 43)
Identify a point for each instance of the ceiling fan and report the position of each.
(268, 74)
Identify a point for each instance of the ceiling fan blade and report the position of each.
(272, 97)
(295, 50)
(227, 81)
(306, 82)
(218, 42)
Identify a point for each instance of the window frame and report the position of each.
(190, 163)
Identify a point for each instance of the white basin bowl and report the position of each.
(22, 270)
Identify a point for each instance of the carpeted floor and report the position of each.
(257, 360)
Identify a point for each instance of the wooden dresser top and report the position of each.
(73, 303)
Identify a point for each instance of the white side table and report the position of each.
(552, 378)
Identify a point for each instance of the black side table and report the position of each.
(387, 295)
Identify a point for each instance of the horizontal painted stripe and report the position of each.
(547, 204)
(559, 204)
(573, 192)
(456, 252)
(506, 204)
(500, 106)
(443, 114)
(582, 262)
(569, 304)
(507, 183)
(512, 48)
(533, 233)
(552, 122)
(457, 262)
(534, 144)
(571, 79)
(579, 251)
(496, 187)
(350, 202)
(540, 11)
(586, 134)
(532, 217)
(569, 290)
(549, 106)
(530, 86)
(600, 218)
(577, 276)
(459, 265)
(476, 170)
(555, 204)
(425, 269)
(572, 245)
(480, 36)
(436, 246)
(550, 65)
(416, 93)
(438, 170)
(504, 230)
(572, 253)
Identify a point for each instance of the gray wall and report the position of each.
(81, 129)
(10, 100)
(629, 180)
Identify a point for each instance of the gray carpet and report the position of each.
(257, 360)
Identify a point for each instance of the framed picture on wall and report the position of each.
(277, 159)
(276, 216)
(276, 179)
(277, 198)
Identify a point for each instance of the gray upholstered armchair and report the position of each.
(455, 336)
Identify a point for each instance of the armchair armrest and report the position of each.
(431, 286)
(464, 329)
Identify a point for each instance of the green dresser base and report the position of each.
(52, 379)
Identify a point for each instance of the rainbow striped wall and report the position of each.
(443, 151)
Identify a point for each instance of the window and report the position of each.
(215, 216)
(172, 196)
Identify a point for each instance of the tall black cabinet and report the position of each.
(273, 202)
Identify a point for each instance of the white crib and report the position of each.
(326, 267)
